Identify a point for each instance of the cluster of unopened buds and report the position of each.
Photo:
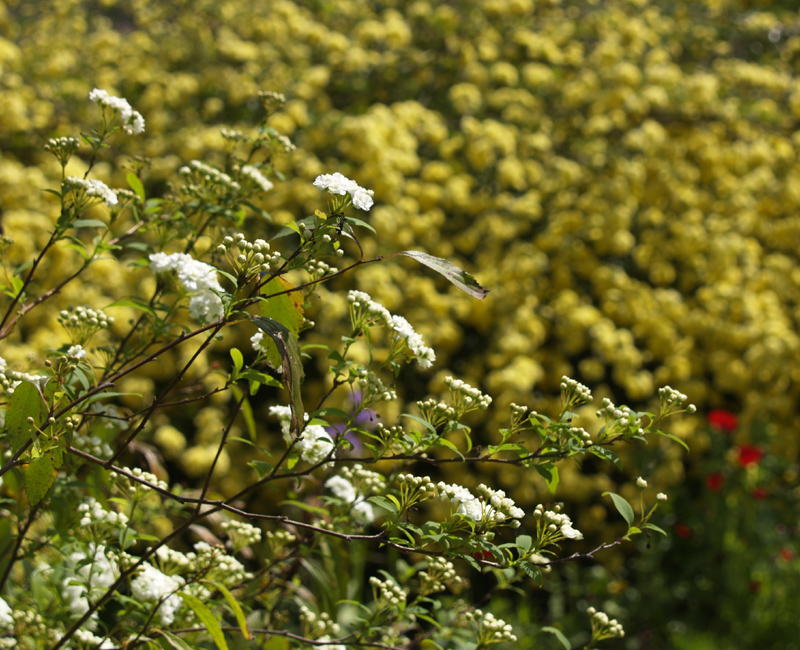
(149, 479)
(62, 148)
(82, 323)
(94, 514)
(672, 399)
(319, 269)
(553, 526)
(205, 180)
(389, 435)
(372, 388)
(414, 489)
(278, 540)
(603, 627)
(465, 397)
(581, 435)
(574, 393)
(318, 625)
(436, 412)
(252, 174)
(387, 593)
(248, 258)
(241, 534)
(440, 575)
(490, 628)
(88, 189)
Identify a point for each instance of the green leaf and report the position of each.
(262, 468)
(176, 642)
(623, 507)
(383, 502)
(606, 454)
(135, 184)
(533, 571)
(247, 410)
(674, 438)
(559, 635)
(286, 308)
(135, 304)
(424, 423)
(88, 223)
(238, 359)
(235, 606)
(550, 474)
(457, 276)
(39, 476)
(26, 402)
(302, 505)
(289, 350)
(443, 442)
(525, 541)
(655, 528)
(358, 222)
(206, 618)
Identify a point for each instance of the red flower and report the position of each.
(715, 481)
(722, 420)
(760, 493)
(483, 555)
(682, 530)
(787, 553)
(749, 455)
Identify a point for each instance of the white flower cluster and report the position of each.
(257, 177)
(574, 391)
(278, 540)
(171, 559)
(89, 640)
(151, 585)
(94, 514)
(198, 278)
(388, 593)
(504, 507)
(491, 629)
(425, 356)
(602, 627)
(353, 485)
(76, 352)
(241, 534)
(364, 311)
(493, 507)
(338, 184)
(132, 120)
(314, 444)
(555, 524)
(88, 580)
(209, 175)
(92, 188)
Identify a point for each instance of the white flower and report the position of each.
(641, 482)
(661, 496)
(152, 585)
(571, 533)
(425, 356)
(96, 575)
(92, 188)
(256, 339)
(345, 490)
(198, 278)
(5, 614)
(76, 351)
(314, 444)
(338, 184)
(132, 121)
